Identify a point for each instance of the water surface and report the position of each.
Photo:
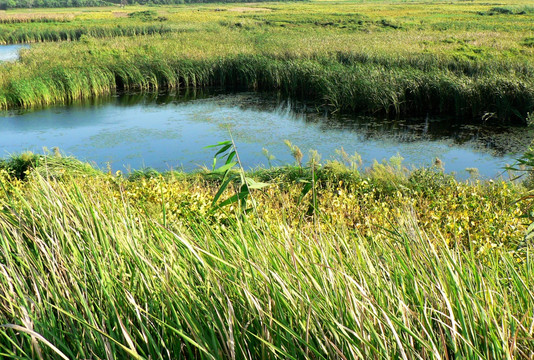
(132, 132)
(11, 52)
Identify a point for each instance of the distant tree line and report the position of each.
(10, 4)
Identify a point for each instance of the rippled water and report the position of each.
(167, 132)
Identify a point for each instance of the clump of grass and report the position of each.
(529, 42)
(36, 18)
(19, 166)
(44, 34)
(146, 173)
(509, 10)
(146, 15)
(51, 166)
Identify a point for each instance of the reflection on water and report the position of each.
(494, 139)
(170, 131)
(11, 52)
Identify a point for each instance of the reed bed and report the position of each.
(371, 58)
(35, 18)
(61, 33)
(94, 266)
(412, 87)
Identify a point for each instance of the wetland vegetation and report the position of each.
(395, 58)
(377, 263)
(319, 259)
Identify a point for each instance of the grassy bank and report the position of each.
(66, 33)
(351, 85)
(389, 264)
(471, 60)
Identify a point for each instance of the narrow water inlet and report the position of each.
(11, 52)
(133, 132)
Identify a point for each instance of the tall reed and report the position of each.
(353, 57)
(46, 34)
(350, 87)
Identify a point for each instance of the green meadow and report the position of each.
(316, 260)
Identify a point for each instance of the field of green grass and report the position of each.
(382, 263)
(469, 59)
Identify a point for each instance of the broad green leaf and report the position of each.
(225, 167)
(306, 189)
(231, 200)
(252, 184)
(222, 150)
(230, 157)
(218, 144)
(221, 189)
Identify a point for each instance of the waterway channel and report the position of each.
(171, 131)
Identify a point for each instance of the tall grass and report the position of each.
(350, 86)
(62, 33)
(35, 18)
(88, 272)
(442, 59)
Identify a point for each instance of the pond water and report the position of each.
(11, 52)
(170, 132)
